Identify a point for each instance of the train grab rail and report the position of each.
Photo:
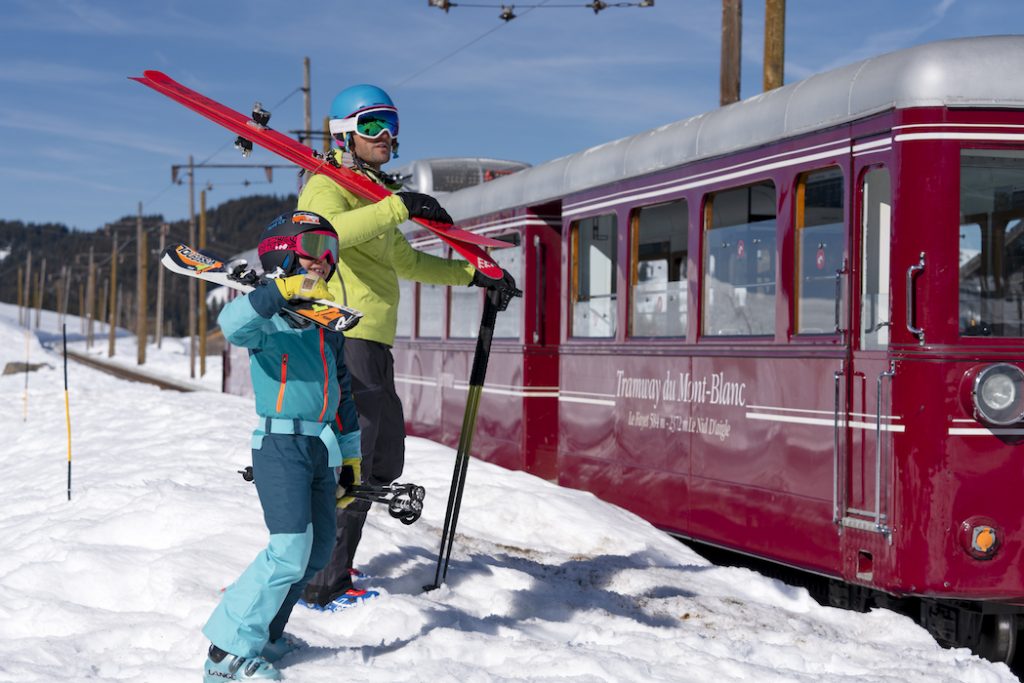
(912, 273)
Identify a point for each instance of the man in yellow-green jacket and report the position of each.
(373, 255)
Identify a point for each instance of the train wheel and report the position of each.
(998, 639)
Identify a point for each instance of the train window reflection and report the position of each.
(406, 301)
(658, 274)
(819, 224)
(467, 307)
(431, 311)
(876, 223)
(593, 277)
(509, 321)
(992, 243)
(740, 261)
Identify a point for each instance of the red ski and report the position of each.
(465, 243)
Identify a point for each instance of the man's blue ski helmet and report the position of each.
(365, 110)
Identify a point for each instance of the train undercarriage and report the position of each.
(990, 630)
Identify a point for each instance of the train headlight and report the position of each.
(998, 394)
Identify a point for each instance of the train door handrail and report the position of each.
(881, 520)
(912, 272)
(837, 461)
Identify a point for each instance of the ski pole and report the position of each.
(67, 408)
(494, 302)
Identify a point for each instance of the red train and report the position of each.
(791, 327)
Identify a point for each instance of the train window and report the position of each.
(467, 307)
(508, 322)
(658, 272)
(593, 277)
(431, 311)
(819, 244)
(740, 261)
(992, 243)
(876, 219)
(406, 304)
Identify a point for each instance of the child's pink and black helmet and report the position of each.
(299, 233)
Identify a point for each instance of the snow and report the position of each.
(545, 583)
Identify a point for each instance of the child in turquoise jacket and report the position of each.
(307, 427)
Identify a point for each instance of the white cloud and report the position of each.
(30, 175)
(27, 72)
(79, 133)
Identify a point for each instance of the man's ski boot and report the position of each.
(350, 598)
(224, 666)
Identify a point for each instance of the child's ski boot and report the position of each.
(224, 666)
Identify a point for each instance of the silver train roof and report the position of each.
(984, 71)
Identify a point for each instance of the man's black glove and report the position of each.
(506, 285)
(424, 206)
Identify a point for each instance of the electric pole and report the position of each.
(113, 299)
(202, 287)
(21, 289)
(306, 98)
(732, 38)
(90, 297)
(774, 43)
(141, 252)
(39, 291)
(160, 289)
(28, 290)
(191, 280)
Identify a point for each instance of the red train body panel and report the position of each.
(833, 433)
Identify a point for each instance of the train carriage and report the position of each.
(790, 327)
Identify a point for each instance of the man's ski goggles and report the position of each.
(370, 123)
(316, 245)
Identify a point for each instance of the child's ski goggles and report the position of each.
(370, 123)
(316, 245)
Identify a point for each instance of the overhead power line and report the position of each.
(508, 11)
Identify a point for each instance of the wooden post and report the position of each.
(112, 305)
(60, 295)
(306, 103)
(191, 280)
(90, 297)
(141, 251)
(81, 307)
(21, 292)
(28, 290)
(732, 38)
(774, 43)
(39, 291)
(66, 293)
(202, 287)
(160, 290)
(101, 302)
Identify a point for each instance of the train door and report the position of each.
(863, 388)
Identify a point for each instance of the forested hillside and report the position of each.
(231, 227)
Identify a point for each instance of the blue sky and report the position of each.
(82, 145)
